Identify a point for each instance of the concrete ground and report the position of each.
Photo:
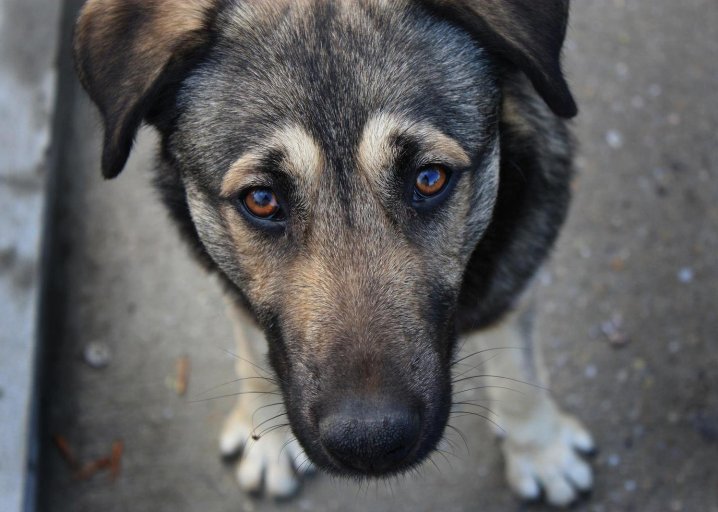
(628, 310)
(27, 97)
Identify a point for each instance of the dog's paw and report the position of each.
(554, 466)
(272, 463)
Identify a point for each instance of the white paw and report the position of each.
(553, 465)
(271, 463)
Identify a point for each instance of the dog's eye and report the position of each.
(430, 181)
(262, 203)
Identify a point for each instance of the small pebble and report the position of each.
(638, 102)
(659, 173)
(614, 139)
(613, 330)
(561, 360)
(545, 278)
(583, 249)
(97, 354)
(655, 90)
(618, 264)
(622, 69)
(630, 485)
(639, 364)
(674, 347)
(591, 371)
(614, 460)
(686, 275)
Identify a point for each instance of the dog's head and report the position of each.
(341, 162)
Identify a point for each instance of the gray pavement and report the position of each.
(29, 30)
(628, 309)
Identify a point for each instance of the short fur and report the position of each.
(334, 104)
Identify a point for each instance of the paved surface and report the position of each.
(28, 37)
(628, 311)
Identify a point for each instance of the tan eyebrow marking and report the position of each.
(302, 157)
(376, 151)
(236, 175)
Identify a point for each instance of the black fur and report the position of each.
(230, 85)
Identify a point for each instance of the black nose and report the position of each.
(371, 436)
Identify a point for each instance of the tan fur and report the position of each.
(376, 152)
(302, 158)
(356, 288)
(329, 301)
(269, 454)
(173, 23)
(172, 20)
(540, 440)
(238, 174)
(515, 118)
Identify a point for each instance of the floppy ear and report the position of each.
(127, 52)
(527, 33)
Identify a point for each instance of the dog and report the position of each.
(372, 181)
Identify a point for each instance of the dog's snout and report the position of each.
(371, 436)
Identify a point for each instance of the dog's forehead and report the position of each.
(336, 60)
(330, 68)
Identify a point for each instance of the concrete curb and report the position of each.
(29, 37)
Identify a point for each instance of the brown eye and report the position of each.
(262, 203)
(430, 181)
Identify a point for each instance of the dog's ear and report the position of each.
(527, 33)
(127, 52)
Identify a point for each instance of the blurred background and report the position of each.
(122, 319)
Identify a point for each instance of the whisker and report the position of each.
(473, 404)
(253, 364)
(254, 429)
(300, 467)
(287, 443)
(234, 395)
(489, 387)
(433, 462)
(461, 435)
(464, 341)
(460, 391)
(486, 350)
(441, 452)
(264, 407)
(451, 443)
(446, 455)
(503, 430)
(481, 363)
(267, 430)
(215, 388)
(486, 375)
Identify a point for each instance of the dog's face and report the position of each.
(341, 162)
(350, 169)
